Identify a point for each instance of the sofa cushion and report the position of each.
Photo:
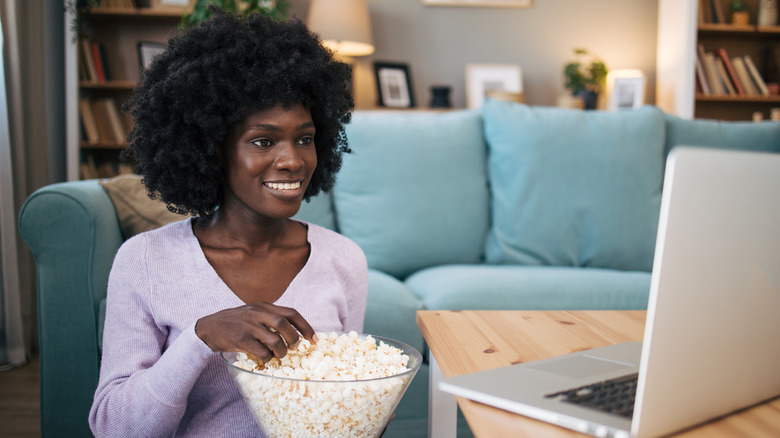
(530, 288)
(414, 192)
(752, 136)
(391, 310)
(318, 210)
(136, 211)
(572, 187)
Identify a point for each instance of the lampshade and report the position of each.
(343, 25)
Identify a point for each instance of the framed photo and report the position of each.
(625, 90)
(394, 84)
(485, 3)
(483, 79)
(147, 52)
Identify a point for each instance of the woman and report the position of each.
(238, 122)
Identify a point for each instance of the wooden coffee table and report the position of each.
(461, 342)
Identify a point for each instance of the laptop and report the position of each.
(713, 319)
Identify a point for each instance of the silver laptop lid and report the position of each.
(717, 262)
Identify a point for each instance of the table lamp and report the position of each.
(343, 25)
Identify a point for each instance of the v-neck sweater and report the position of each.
(157, 377)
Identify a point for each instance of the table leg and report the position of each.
(442, 406)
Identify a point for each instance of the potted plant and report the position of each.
(740, 12)
(585, 77)
(201, 10)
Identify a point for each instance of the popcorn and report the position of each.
(340, 387)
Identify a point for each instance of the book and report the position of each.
(99, 72)
(103, 123)
(756, 76)
(744, 76)
(718, 15)
(88, 61)
(724, 78)
(88, 121)
(713, 77)
(117, 124)
(702, 77)
(704, 12)
(730, 69)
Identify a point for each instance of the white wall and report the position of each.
(438, 42)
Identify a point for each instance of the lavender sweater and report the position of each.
(157, 378)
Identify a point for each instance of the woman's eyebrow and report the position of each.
(272, 127)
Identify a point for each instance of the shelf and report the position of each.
(108, 85)
(745, 31)
(99, 146)
(145, 13)
(745, 99)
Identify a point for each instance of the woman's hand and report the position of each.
(260, 329)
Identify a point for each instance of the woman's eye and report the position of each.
(304, 141)
(263, 143)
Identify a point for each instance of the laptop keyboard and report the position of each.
(614, 396)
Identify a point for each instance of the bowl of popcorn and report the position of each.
(345, 385)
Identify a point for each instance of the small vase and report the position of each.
(767, 13)
(441, 97)
(589, 98)
(741, 18)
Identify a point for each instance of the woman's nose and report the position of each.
(289, 157)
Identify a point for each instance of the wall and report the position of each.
(438, 42)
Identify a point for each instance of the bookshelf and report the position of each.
(97, 128)
(684, 33)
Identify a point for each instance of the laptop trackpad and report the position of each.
(580, 366)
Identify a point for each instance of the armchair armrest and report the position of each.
(73, 232)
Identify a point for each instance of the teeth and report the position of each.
(284, 186)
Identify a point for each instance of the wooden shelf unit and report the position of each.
(679, 34)
(118, 30)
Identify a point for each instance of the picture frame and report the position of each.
(482, 79)
(147, 51)
(394, 84)
(173, 5)
(480, 3)
(625, 90)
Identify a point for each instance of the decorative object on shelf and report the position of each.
(740, 12)
(173, 5)
(625, 90)
(440, 96)
(278, 9)
(484, 78)
(767, 12)
(147, 52)
(394, 84)
(508, 96)
(486, 3)
(585, 77)
(343, 25)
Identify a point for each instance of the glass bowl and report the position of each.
(286, 407)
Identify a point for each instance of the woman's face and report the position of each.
(269, 159)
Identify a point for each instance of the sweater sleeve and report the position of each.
(143, 387)
(357, 290)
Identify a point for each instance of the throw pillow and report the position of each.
(136, 211)
(414, 192)
(572, 187)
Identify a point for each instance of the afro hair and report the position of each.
(208, 79)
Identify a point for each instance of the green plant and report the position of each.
(79, 10)
(739, 6)
(277, 9)
(587, 72)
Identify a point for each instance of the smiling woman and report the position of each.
(238, 122)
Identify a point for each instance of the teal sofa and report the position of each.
(510, 207)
